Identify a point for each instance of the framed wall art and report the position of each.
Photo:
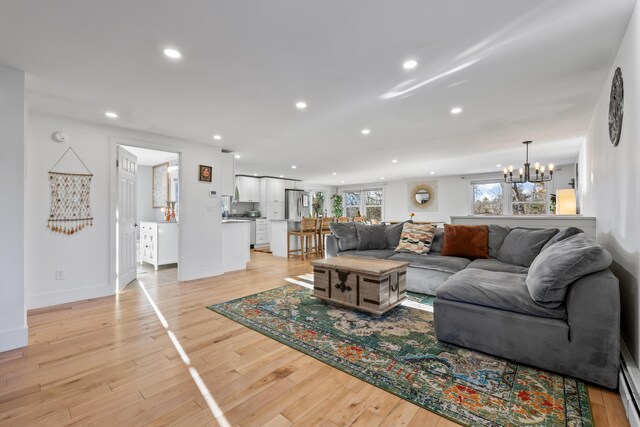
(160, 184)
(205, 173)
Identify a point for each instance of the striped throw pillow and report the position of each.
(416, 238)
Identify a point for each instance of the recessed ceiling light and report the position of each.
(301, 105)
(255, 174)
(366, 131)
(334, 173)
(293, 166)
(456, 110)
(432, 172)
(382, 177)
(410, 64)
(172, 53)
(342, 181)
(217, 137)
(394, 161)
(281, 176)
(237, 156)
(111, 115)
(498, 165)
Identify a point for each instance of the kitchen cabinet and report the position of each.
(275, 190)
(275, 210)
(159, 243)
(261, 232)
(248, 189)
(235, 241)
(228, 175)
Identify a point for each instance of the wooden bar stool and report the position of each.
(308, 230)
(343, 219)
(323, 230)
(359, 219)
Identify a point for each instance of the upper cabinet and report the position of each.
(275, 190)
(248, 189)
(293, 185)
(228, 175)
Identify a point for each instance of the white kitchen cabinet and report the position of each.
(275, 190)
(228, 175)
(261, 232)
(159, 243)
(248, 189)
(275, 210)
(235, 241)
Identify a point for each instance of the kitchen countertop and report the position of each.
(235, 221)
(285, 220)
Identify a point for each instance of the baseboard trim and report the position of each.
(17, 338)
(629, 386)
(198, 273)
(67, 296)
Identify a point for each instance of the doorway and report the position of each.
(147, 213)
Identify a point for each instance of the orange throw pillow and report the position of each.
(467, 241)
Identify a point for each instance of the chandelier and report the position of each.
(524, 174)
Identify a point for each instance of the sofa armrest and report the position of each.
(593, 310)
(331, 246)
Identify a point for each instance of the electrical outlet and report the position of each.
(59, 274)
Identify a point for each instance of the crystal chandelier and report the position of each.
(524, 174)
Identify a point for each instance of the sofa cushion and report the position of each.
(522, 245)
(438, 240)
(416, 238)
(497, 234)
(561, 235)
(393, 234)
(446, 264)
(561, 264)
(499, 290)
(468, 241)
(371, 236)
(371, 253)
(346, 234)
(495, 265)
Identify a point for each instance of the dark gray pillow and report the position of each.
(562, 234)
(346, 234)
(522, 245)
(371, 236)
(561, 264)
(393, 234)
(438, 240)
(497, 234)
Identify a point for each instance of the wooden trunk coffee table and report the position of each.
(368, 284)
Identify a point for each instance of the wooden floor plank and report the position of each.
(110, 361)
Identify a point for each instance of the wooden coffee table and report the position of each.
(368, 284)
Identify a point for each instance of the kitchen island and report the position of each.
(236, 252)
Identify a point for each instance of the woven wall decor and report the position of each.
(70, 209)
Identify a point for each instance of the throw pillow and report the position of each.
(467, 241)
(522, 245)
(393, 234)
(346, 234)
(416, 238)
(371, 236)
(438, 240)
(497, 234)
(561, 264)
(562, 234)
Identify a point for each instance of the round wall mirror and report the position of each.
(422, 196)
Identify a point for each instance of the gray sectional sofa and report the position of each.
(572, 326)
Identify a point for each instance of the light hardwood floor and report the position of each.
(111, 361)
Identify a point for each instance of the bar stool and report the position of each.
(343, 219)
(307, 230)
(323, 230)
(359, 219)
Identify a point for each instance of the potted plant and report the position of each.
(337, 205)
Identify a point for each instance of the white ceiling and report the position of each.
(148, 157)
(525, 70)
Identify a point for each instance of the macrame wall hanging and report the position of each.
(70, 209)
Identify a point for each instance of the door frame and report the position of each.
(113, 189)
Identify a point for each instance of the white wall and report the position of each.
(454, 194)
(13, 325)
(610, 183)
(87, 256)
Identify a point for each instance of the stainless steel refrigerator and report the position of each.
(296, 204)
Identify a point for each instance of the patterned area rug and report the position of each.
(398, 352)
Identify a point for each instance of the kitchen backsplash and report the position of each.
(242, 208)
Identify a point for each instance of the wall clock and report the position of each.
(616, 103)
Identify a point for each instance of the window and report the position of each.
(487, 198)
(351, 203)
(367, 203)
(528, 198)
(318, 206)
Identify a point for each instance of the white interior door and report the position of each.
(126, 217)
